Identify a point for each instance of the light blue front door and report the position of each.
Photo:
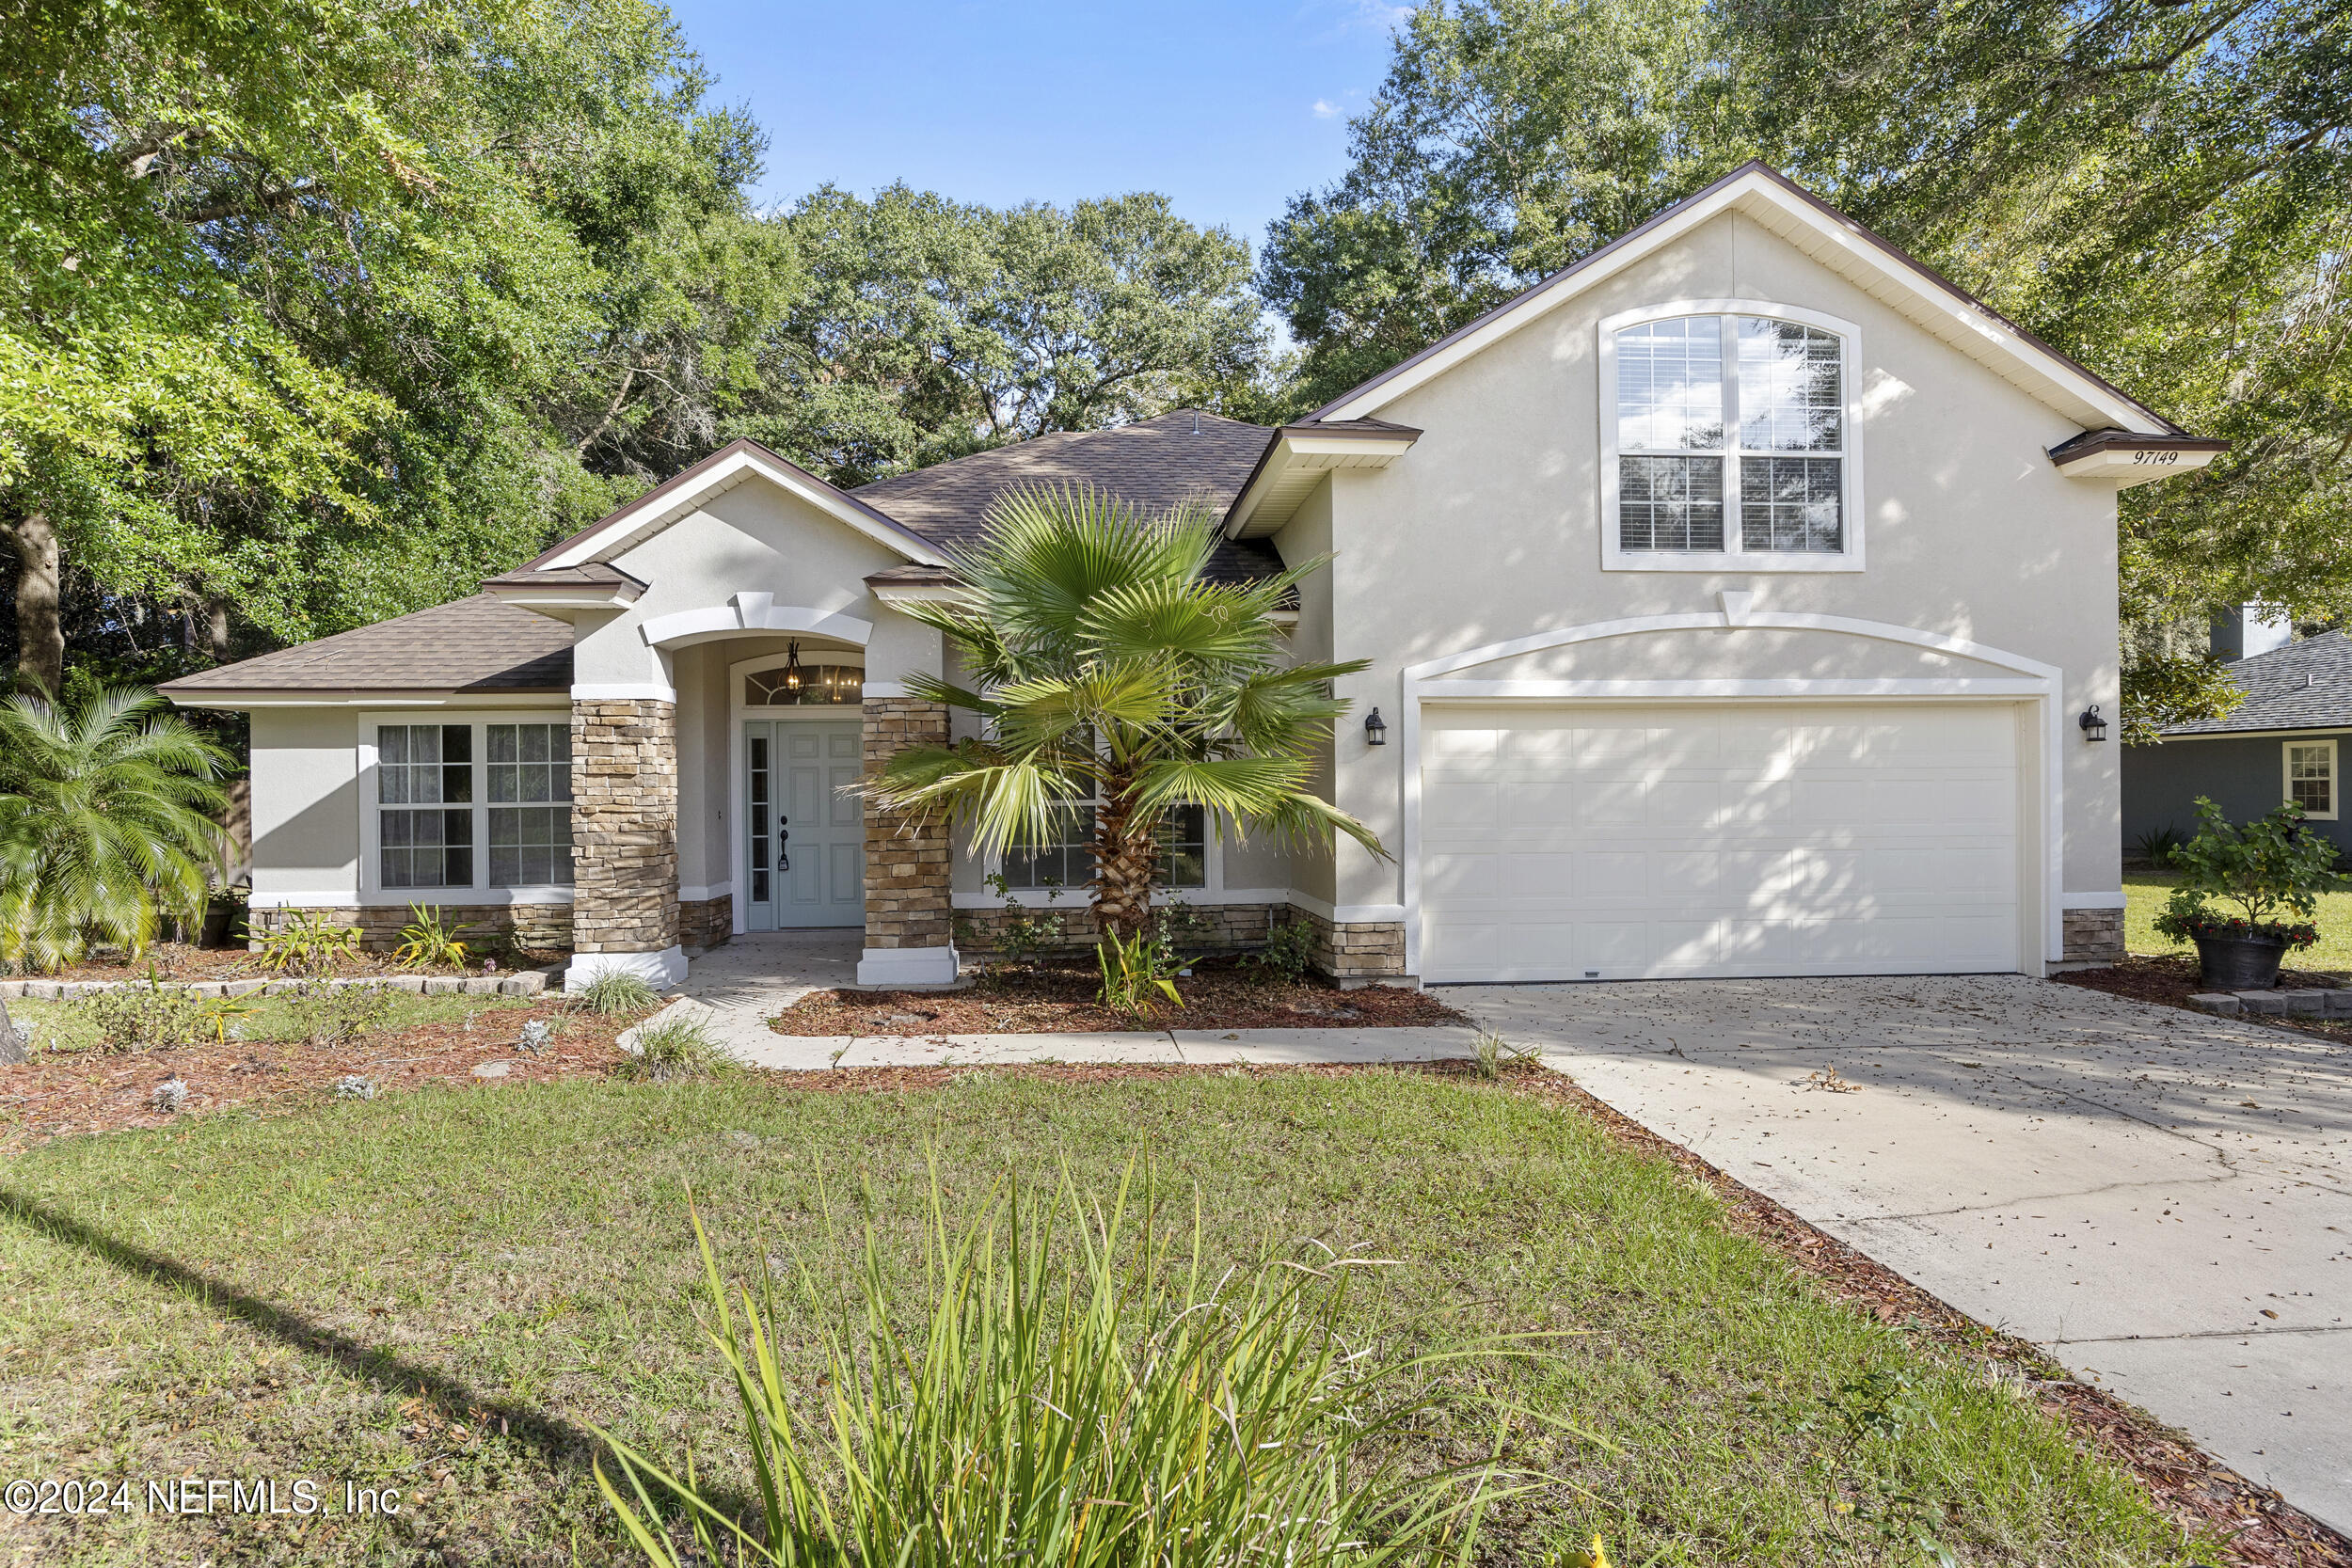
(806, 849)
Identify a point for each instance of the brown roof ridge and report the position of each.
(1754, 166)
(1011, 449)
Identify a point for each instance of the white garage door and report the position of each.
(1596, 842)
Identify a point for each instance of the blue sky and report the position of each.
(1226, 107)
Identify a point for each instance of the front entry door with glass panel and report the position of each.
(807, 839)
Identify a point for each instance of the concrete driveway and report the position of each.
(2163, 1200)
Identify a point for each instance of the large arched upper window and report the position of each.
(1729, 440)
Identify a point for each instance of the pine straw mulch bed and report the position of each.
(179, 960)
(63, 1092)
(1220, 994)
(2171, 980)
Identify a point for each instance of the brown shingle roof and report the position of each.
(473, 644)
(1152, 464)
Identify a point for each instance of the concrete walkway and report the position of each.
(2163, 1200)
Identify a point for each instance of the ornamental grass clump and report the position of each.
(1079, 1393)
(2266, 876)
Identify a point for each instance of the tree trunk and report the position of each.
(40, 635)
(1126, 853)
(216, 627)
(11, 1044)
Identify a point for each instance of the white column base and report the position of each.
(908, 966)
(661, 969)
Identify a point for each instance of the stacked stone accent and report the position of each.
(1357, 951)
(705, 923)
(1193, 928)
(906, 858)
(624, 825)
(542, 928)
(2093, 937)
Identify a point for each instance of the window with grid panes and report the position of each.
(1066, 859)
(530, 788)
(1731, 436)
(424, 805)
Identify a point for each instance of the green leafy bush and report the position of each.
(1136, 970)
(1026, 933)
(305, 942)
(1289, 950)
(107, 825)
(2157, 846)
(146, 1018)
(429, 941)
(337, 1015)
(2259, 872)
(1106, 1402)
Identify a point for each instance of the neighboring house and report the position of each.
(1730, 600)
(2287, 740)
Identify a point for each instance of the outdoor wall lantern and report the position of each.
(1375, 733)
(2094, 727)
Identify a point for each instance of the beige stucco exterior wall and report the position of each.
(305, 803)
(1488, 528)
(753, 538)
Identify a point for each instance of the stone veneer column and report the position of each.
(2093, 937)
(909, 936)
(625, 913)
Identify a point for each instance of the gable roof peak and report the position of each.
(1837, 241)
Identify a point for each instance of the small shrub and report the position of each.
(1025, 932)
(1135, 971)
(170, 1096)
(2158, 844)
(2259, 872)
(613, 993)
(675, 1048)
(337, 1015)
(145, 1017)
(1289, 950)
(351, 1085)
(429, 941)
(1090, 1405)
(306, 943)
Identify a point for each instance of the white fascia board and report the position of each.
(1294, 450)
(2125, 466)
(927, 593)
(560, 604)
(1928, 298)
(239, 702)
(632, 525)
(749, 611)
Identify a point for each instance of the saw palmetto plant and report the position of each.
(1109, 670)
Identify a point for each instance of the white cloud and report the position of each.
(1325, 109)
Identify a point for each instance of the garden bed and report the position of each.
(79, 1089)
(2172, 981)
(1058, 998)
(179, 960)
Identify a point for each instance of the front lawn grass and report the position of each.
(2145, 893)
(437, 1290)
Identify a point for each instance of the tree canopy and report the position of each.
(321, 311)
(2163, 190)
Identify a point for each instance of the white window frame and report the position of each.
(1732, 558)
(482, 890)
(2286, 777)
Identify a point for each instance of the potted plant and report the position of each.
(2264, 877)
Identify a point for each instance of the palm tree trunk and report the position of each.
(39, 634)
(1126, 853)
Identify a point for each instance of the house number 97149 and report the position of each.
(2159, 459)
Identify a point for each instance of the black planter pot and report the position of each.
(2239, 964)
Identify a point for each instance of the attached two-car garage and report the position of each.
(1570, 842)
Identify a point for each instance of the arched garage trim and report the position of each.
(2031, 680)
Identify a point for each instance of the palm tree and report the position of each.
(1110, 669)
(106, 822)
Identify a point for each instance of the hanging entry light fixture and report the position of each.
(793, 671)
